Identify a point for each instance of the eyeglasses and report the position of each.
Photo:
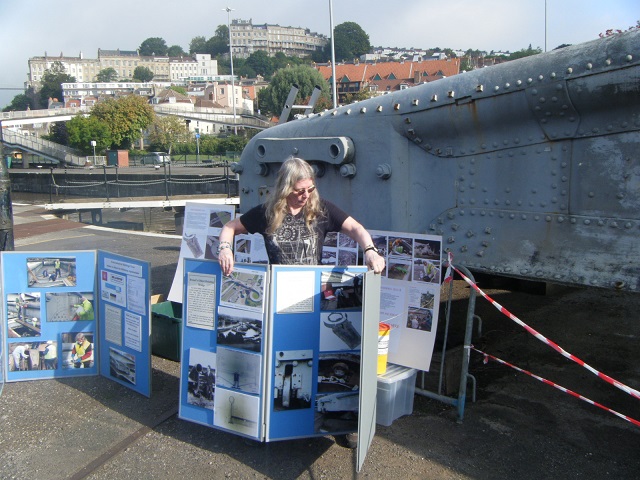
(300, 191)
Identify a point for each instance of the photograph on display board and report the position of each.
(122, 365)
(237, 370)
(211, 250)
(238, 329)
(78, 350)
(193, 244)
(201, 380)
(218, 219)
(340, 290)
(292, 381)
(426, 271)
(338, 393)
(347, 257)
(330, 249)
(237, 411)
(427, 300)
(33, 356)
(72, 306)
(340, 330)
(419, 319)
(400, 247)
(244, 289)
(429, 249)
(399, 269)
(51, 272)
(345, 241)
(23, 315)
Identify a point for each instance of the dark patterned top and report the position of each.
(293, 243)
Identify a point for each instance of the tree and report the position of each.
(107, 75)
(358, 96)
(219, 43)
(126, 117)
(350, 41)
(273, 98)
(58, 133)
(167, 131)
(19, 103)
(51, 83)
(525, 53)
(143, 74)
(261, 63)
(198, 45)
(83, 130)
(176, 51)
(153, 46)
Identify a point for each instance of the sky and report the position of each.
(28, 28)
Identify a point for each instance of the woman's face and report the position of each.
(302, 189)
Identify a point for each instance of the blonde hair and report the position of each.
(291, 172)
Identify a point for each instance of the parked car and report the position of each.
(156, 158)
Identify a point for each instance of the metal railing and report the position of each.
(62, 183)
(53, 112)
(44, 148)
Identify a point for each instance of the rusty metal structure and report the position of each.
(528, 169)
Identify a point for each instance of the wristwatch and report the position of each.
(372, 247)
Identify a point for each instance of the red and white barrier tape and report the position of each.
(559, 387)
(625, 388)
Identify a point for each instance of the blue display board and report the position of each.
(272, 352)
(61, 321)
(223, 346)
(314, 357)
(48, 306)
(124, 321)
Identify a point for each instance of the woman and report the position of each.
(294, 222)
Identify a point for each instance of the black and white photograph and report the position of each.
(340, 330)
(238, 370)
(338, 393)
(201, 380)
(239, 331)
(237, 411)
(292, 383)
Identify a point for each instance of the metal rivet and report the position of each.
(363, 110)
(379, 108)
(396, 106)
(451, 94)
(415, 102)
(479, 88)
(569, 70)
(434, 98)
(589, 66)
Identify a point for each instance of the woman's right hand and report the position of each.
(225, 257)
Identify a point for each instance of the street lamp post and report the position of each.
(233, 86)
(93, 144)
(333, 58)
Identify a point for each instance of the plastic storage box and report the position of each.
(395, 394)
(166, 330)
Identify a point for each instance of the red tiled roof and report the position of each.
(401, 70)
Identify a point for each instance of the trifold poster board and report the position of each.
(280, 352)
(75, 313)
